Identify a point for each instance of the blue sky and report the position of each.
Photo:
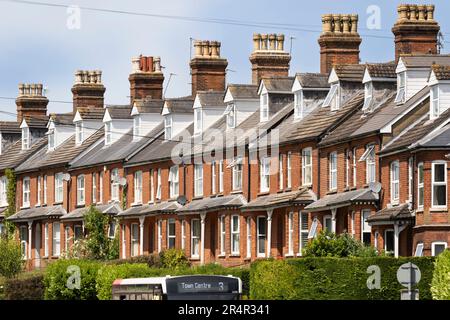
(37, 46)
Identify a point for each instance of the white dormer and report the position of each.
(174, 123)
(263, 103)
(85, 127)
(206, 115)
(439, 95)
(57, 134)
(144, 122)
(333, 98)
(26, 136)
(368, 90)
(198, 118)
(239, 108)
(410, 80)
(115, 128)
(299, 106)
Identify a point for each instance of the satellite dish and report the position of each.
(375, 187)
(182, 200)
(66, 177)
(122, 181)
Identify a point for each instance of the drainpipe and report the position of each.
(248, 174)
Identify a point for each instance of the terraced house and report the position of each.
(237, 172)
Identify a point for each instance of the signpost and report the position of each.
(408, 275)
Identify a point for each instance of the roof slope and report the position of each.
(313, 80)
(243, 91)
(14, 155)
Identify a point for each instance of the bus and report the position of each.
(193, 287)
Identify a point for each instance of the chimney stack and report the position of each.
(339, 41)
(268, 57)
(416, 31)
(146, 78)
(31, 102)
(208, 69)
(88, 90)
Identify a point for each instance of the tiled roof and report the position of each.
(284, 199)
(437, 139)
(392, 214)
(243, 91)
(278, 84)
(313, 80)
(38, 122)
(150, 209)
(318, 120)
(415, 132)
(211, 98)
(424, 60)
(62, 155)
(78, 214)
(382, 70)
(148, 105)
(120, 112)
(88, 113)
(38, 213)
(441, 72)
(180, 105)
(343, 199)
(350, 72)
(62, 118)
(213, 203)
(14, 155)
(10, 127)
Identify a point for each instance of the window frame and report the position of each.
(302, 231)
(198, 121)
(198, 180)
(333, 170)
(289, 170)
(385, 242)
(395, 181)
(235, 235)
(45, 189)
(168, 127)
(230, 112)
(115, 187)
(400, 98)
(134, 240)
(237, 173)
(46, 239)
(249, 237)
(365, 230)
(108, 133)
(138, 186)
(81, 189)
(59, 187)
(434, 101)
(410, 178)
(438, 183)
(213, 177)
(26, 138)
(264, 174)
(420, 186)
(51, 139)
(290, 234)
(158, 185)
(371, 163)
(195, 238)
(79, 132)
(437, 243)
(416, 251)
(222, 235)
(221, 175)
(280, 173)
(26, 192)
(173, 237)
(56, 239)
(3, 191)
(174, 181)
(368, 95)
(23, 237)
(298, 104)
(259, 236)
(137, 127)
(159, 235)
(264, 107)
(307, 167)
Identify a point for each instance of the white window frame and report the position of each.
(302, 231)
(347, 168)
(385, 237)
(158, 185)
(100, 183)
(437, 243)
(221, 173)
(195, 253)
(198, 180)
(235, 235)
(249, 237)
(134, 240)
(419, 250)
(159, 226)
(213, 177)
(365, 227)
(46, 239)
(45, 190)
(137, 127)
(26, 138)
(115, 190)
(79, 134)
(174, 181)
(280, 172)
(66, 238)
(434, 101)
(152, 186)
(438, 183)
(169, 235)
(168, 126)
(39, 191)
(222, 235)
(94, 188)
(332, 166)
(3, 191)
(183, 234)
(420, 185)
(51, 139)
(298, 104)
(313, 230)
(325, 219)
(290, 234)
(230, 112)
(26, 185)
(198, 120)
(56, 239)
(401, 88)
(124, 242)
(261, 254)
(59, 187)
(264, 109)
(81, 187)
(108, 133)
(395, 181)
(333, 97)
(410, 178)
(289, 170)
(237, 170)
(138, 187)
(368, 94)
(354, 168)
(307, 166)
(369, 157)
(264, 171)
(24, 241)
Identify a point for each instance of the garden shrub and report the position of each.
(174, 259)
(98, 245)
(57, 275)
(440, 286)
(333, 278)
(152, 260)
(28, 287)
(11, 263)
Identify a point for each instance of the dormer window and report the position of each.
(298, 104)
(401, 88)
(198, 121)
(136, 127)
(168, 127)
(264, 112)
(230, 112)
(79, 133)
(434, 98)
(368, 94)
(332, 99)
(25, 138)
(51, 139)
(108, 133)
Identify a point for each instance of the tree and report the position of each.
(11, 262)
(11, 198)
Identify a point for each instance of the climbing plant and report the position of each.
(11, 198)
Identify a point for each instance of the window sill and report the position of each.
(57, 203)
(25, 207)
(236, 255)
(299, 255)
(197, 198)
(334, 191)
(222, 256)
(419, 210)
(194, 259)
(80, 205)
(306, 185)
(135, 204)
(290, 255)
(264, 193)
(438, 209)
(236, 192)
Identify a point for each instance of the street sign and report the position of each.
(408, 275)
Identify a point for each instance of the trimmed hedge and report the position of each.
(333, 278)
(57, 274)
(440, 286)
(28, 288)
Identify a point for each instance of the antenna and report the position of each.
(168, 82)
(190, 47)
(291, 40)
(440, 42)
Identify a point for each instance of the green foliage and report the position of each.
(11, 198)
(58, 273)
(98, 245)
(333, 278)
(124, 197)
(440, 286)
(28, 287)
(328, 244)
(11, 263)
(174, 259)
(151, 260)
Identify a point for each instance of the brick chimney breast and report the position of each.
(339, 41)
(415, 31)
(208, 68)
(146, 78)
(31, 102)
(88, 89)
(268, 57)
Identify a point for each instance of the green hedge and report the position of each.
(333, 278)
(57, 274)
(30, 287)
(440, 286)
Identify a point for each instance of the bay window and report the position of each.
(195, 238)
(24, 241)
(438, 247)
(420, 189)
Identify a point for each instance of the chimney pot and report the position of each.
(430, 12)
(215, 49)
(21, 89)
(198, 48)
(354, 22)
(256, 42)
(30, 101)
(422, 12)
(272, 38)
(402, 12)
(327, 23)
(337, 23)
(135, 64)
(264, 41)
(346, 23)
(413, 12)
(149, 64)
(157, 64)
(280, 42)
